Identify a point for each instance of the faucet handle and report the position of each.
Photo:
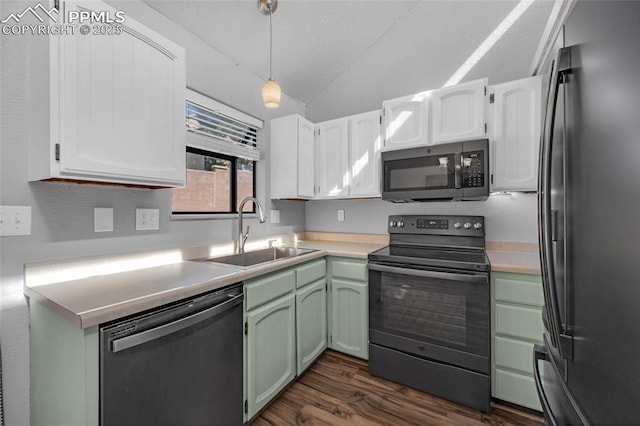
(272, 242)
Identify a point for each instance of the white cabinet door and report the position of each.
(332, 159)
(458, 112)
(515, 124)
(120, 104)
(364, 154)
(292, 157)
(406, 121)
(306, 148)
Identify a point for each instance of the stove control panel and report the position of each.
(437, 225)
(432, 224)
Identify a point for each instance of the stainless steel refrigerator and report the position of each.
(589, 211)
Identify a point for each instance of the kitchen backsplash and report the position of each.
(508, 217)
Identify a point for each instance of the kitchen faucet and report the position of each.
(242, 236)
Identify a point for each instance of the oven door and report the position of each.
(439, 315)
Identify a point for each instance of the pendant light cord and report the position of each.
(270, 43)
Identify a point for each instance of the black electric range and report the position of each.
(429, 307)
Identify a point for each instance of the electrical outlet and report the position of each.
(15, 220)
(103, 219)
(147, 219)
(275, 216)
(341, 215)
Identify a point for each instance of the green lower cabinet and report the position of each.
(516, 306)
(311, 323)
(349, 306)
(271, 351)
(64, 370)
(286, 329)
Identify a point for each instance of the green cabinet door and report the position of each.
(311, 323)
(271, 351)
(349, 317)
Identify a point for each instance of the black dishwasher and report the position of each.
(177, 365)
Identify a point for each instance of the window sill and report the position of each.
(205, 216)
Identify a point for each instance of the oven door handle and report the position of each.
(480, 279)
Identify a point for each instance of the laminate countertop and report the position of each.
(521, 258)
(93, 300)
(99, 297)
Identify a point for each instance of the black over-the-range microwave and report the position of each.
(452, 171)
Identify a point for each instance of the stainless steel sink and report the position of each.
(252, 258)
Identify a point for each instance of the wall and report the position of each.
(370, 79)
(62, 214)
(507, 217)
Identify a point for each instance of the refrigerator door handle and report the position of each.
(545, 228)
(545, 319)
(540, 354)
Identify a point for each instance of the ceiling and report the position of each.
(316, 44)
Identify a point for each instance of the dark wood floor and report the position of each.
(338, 390)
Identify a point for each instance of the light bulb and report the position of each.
(271, 94)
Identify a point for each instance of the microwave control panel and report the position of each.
(473, 169)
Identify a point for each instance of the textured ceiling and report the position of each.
(397, 47)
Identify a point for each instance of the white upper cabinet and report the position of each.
(515, 122)
(332, 159)
(406, 121)
(116, 107)
(458, 112)
(292, 157)
(306, 154)
(365, 143)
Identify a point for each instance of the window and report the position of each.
(222, 149)
(216, 183)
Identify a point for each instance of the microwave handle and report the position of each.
(458, 169)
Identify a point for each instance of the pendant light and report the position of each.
(270, 89)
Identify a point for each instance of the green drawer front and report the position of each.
(259, 291)
(517, 388)
(513, 354)
(310, 272)
(515, 288)
(349, 269)
(520, 322)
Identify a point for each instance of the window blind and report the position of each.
(219, 128)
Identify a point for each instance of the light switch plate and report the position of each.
(275, 216)
(340, 215)
(103, 219)
(15, 220)
(147, 219)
